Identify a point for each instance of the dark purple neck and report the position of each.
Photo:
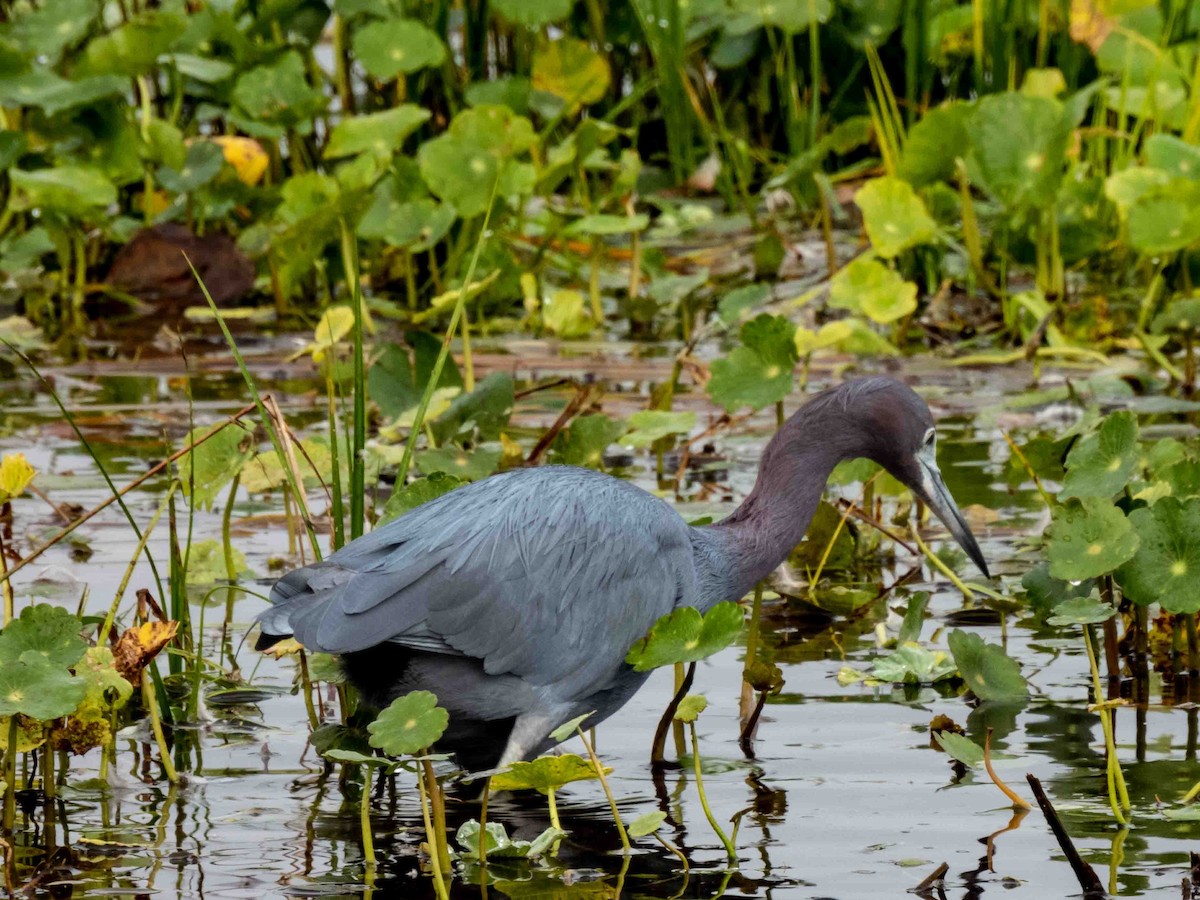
(744, 548)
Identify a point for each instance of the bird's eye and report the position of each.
(930, 437)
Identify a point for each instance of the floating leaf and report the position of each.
(759, 372)
(1167, 562)
(1102, 463)
(43, 634)
(1088, 538)
(684, 636)
(650, 425)
(545, 774)
(646, 824)
(206, 470)
(960, 747)
(869, 287)
(565, 314)
(988, 671)
(913, 664)
(690, 707)
(498, 845)
(410, 724)
(740, 301)
(397, 47)
(571, 70)
(206, 562)
(380, 133)
(38, 689)
(894, 216)
(418, 492)
(15, 475)
(1082, 611)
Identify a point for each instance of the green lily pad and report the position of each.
(1088, 538)
(38, 689)
(960, 747)
(1173, 155)
(988, 671)
(760, 371)
(468, 465)
(479, 415)
(690, 707)
(43, 634)
(206, 563)
(565, 314)
(1019, 147)
(604, 224)
(133, 48)
(646, 824)
(397, 46)
(545, 774)
(410, 724)
(913, 664)
(584, 441)
(934, 142)
(418, 492)
(894, 216)
(462, 165)
(737, 303)
(46, 30)
(201, 164)
(571, 70)
(205, 471)
(1102, 463)
(650, 425)
(69, 190)
(279, 93)
(415, 225)
(47, 91)
(498, 845)
(787, 15)
(1165, 220)
(868, 287)
(1181, 315)
(1165, 567)
(398, 376)
(1082, 611)
(380, 133)
(684, 636)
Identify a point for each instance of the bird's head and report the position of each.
(895, 429)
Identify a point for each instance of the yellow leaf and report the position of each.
(1089, 24)
(286, 647)
(15, 475)
(246, 155)
(139, 645)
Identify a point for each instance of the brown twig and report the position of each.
(545, 386)
(724, 422)
(932, 879)
(1018, 801)
(878, 526)
(137, 482)
(1088, 879)
(38, 492)
(664, 724)
(585, 398)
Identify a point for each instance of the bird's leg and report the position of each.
(528, 732)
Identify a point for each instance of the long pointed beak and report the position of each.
(936, 495)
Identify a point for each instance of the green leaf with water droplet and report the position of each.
(759, 372)
(1082, 611)
(684, 636)
(894, 216)
(1088, 538)
(646, 824)
(690, 707)
(1167, 563)
(1101, 464)
(989, 672)
(545, 774)
(410, 724)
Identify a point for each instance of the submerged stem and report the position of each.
(708, 813)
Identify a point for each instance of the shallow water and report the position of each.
(845, 798)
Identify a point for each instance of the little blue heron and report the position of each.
(515, 599)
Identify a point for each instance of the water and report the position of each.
(844, 798)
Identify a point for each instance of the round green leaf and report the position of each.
(460, 172)
(1102, 463)
(1019, 147)
(584, 441)
(69, 190)
(650, 425)
(684, 636)
(1167, 563)
(418, 492)
(894, 216)
(1165, 221)
(646, 824)
(913, 664)
(960, 747)
(760, 372)
(1082, 611)
(279, 93)
(571, 70)
(869, 287)
(467, 465)
(988, 671)
(545, 774)
(380, 133)
(533, 13)
(410, 724)
(1088, 538)
(43, 634)
(690, 707)
(39, 690)
(399, 46)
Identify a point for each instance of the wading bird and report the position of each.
(515, 599)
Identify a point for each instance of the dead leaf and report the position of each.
(137, 646)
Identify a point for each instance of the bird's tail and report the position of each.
(287, 596)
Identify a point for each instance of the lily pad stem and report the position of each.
(439, 885)
(1118, 794)
(1018, 801)
(941, 566)
(612, 802)
(708, 813)
(364, 821)
(150, 701)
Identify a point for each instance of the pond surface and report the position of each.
(844, 797)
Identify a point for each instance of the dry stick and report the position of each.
(137, 482)
(932, 878)
(59, 511)
(545, 386)
(724, 422)
(289, 452)
(1088, 880)
(581, 402)
(877, 525)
